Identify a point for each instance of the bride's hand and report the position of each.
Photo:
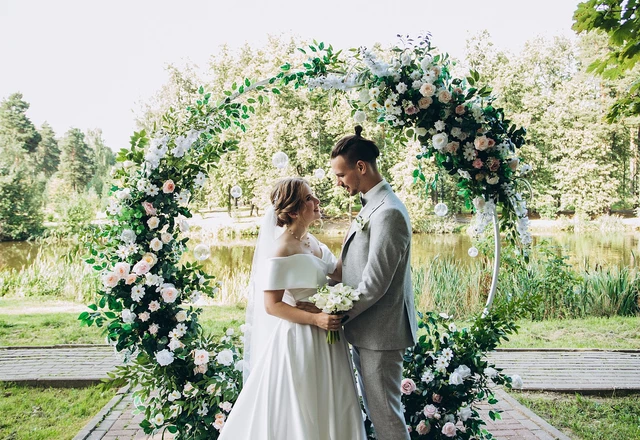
(308, 307)
(328, 322)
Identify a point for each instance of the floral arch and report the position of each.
(186, 381)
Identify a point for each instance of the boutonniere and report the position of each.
(361, 223)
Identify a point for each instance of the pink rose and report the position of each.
(449, 429)
(461, 109)
(481, 143)
(458, 90)
(411, 109)
(423, 428)
(407, 386)
(452, 147)
(425, 102)
(437, 398)
(493, 164)
(444, 96)
(490, 142)
(168, 187)
(477, 164)
(149, 209)
(430, 411)
(130, 279)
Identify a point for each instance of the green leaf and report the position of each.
(275, 91)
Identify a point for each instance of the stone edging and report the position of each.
(86, 430)
(549, 429)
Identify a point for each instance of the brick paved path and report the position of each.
(544, 369)
(517, 422)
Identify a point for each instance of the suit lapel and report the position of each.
(365, 213)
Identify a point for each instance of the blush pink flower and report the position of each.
(168, 187)
(423, 428)
(149, 208)
(460, 110)
(407, 386)
(477, 163)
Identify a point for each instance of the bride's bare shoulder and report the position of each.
(284, 247)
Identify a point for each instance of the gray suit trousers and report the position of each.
(380, 372)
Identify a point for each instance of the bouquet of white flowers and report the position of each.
(335, 300)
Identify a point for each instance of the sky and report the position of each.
(90, 64)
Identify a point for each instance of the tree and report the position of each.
(48, 152)
(20, 186)
(620, 21)
(17, 132)
(103, 158)
(77, 160)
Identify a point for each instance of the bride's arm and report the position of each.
(337, 274)
(274, 306)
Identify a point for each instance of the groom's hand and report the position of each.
(307, 307)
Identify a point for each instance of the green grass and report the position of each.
(47, 413)
(64, 328)
(605, 333)
(587, 418)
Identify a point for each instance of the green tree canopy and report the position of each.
(48, 152)
(620, 21)
(77, 164)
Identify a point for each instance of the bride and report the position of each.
(297, 386)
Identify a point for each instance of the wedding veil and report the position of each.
(260, 324)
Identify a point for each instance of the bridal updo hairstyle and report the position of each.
(354, 148)
(286, 198)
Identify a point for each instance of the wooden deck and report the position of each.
(583, 371)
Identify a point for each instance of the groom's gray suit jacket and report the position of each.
(376, 260)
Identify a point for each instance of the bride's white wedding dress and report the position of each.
(300, 387)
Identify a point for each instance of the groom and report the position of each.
(376, 259)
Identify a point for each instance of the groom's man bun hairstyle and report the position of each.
(286, 198)
(354, 148)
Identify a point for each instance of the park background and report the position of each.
(81, 79)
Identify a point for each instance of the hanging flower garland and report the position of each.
(187, 382)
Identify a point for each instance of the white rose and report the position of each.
(239, 366)
(166, 237)
(121, 269)
(490, 372)
(155, 244)
(141, 267)
(225, 357)
(169, 293)
(226, 406)
(153, 222)
(128, 236)
(175, 395)
(493, 180)
(464, 413)
(455, 379)
(444, 96)
(516, 382)
(463, 371)
(164, 357)
(363, 96)
(110, 279)
(181, 316)
(479, 203)
(449, 429)
(359, 116)
(128, 317)
(440, 141)
(420, 131)
(425, 62)
(200, 357)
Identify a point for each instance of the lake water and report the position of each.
(616, 249)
